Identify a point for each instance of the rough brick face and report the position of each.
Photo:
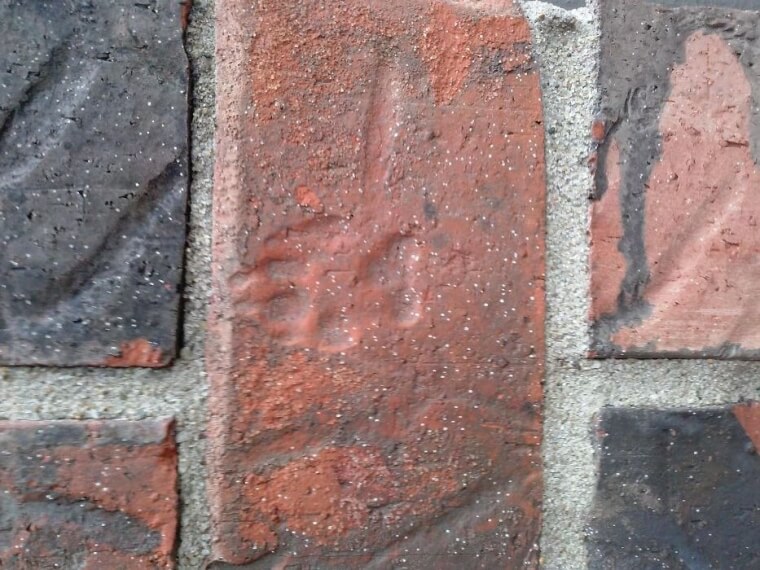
(675, 244)
(93, 175)
(376, 336)
(677, 489)
(90, 495)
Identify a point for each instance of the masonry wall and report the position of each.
(616, 436)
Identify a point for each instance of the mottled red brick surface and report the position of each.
(675, 246)
(376, 336)
(90, 495)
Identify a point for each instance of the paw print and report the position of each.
(320, 284)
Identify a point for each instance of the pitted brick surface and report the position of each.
(377, 323)
(93, 176)
(677, 489)
(674, 240)
(89, 495)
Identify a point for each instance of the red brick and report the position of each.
(376, 333)
(88, 495)
(674, 229)
(748, 415)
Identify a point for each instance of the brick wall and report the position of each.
(386, 284)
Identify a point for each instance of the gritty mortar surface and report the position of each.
(180, 390)
(567, 47)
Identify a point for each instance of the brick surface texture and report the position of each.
(677, 489)
(674, 223)
(93, 176)
(90, 495)
(376, 334)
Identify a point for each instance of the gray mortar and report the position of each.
(566, 44)
(180, 390)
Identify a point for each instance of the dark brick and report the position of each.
(93, 177)
(677, 490)
(90, 495)
(376, 340)
(674, 222)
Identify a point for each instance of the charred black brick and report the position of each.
(93, 181)
(677, 490)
